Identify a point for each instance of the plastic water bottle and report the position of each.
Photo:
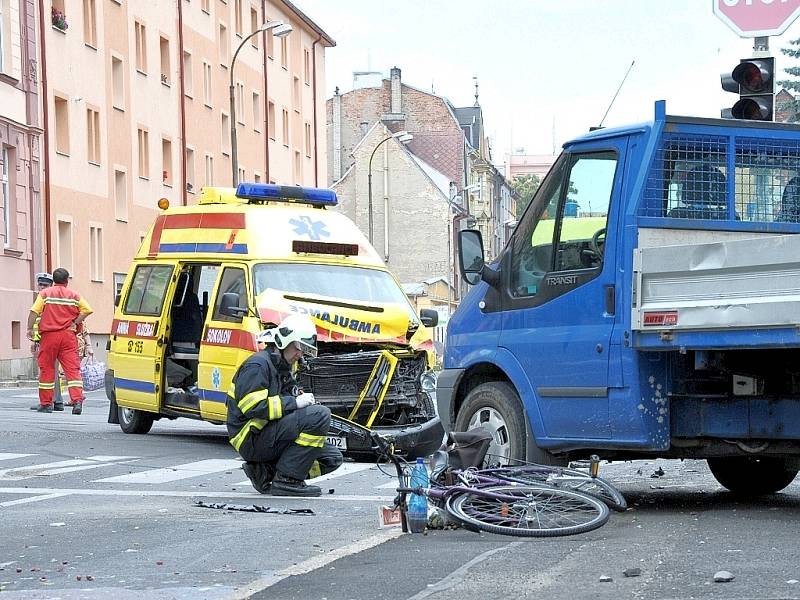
(418, 504)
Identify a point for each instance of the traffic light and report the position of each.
(754, 80)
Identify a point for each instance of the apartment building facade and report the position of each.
(135, 106)
(20, 183)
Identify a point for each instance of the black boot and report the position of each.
(260, 475)
(45, 408)
(58, 406)
(283, 485)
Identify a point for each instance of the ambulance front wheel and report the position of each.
(134, 421)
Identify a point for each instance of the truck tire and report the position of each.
(497, 407)
(748, 476)
(134, 421)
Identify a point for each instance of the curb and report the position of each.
(19, 383)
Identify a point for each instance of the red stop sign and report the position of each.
(757, 18)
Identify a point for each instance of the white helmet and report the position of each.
(294, 328)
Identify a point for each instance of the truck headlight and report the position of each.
(427, 382)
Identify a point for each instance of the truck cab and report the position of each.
(209, 278)
(646, 305)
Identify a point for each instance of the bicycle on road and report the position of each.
(488, 502)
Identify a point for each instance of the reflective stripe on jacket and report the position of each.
(263, 390)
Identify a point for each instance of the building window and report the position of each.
(190, 170)
(62, 125)
(308, 139)
(271, 120)
(238, 17)
(285, 52)
(117, 83)
(188, 80)
(16, 335)
(240, 103)
(5, 190)
(209, 170)
(256, 111)
(64, 232)
(254, 25)
(96, 252)
(58, 15)
(285, 127)
(3, 35)
(163, 47)
(144, 154)
(298, 168)
(242, 173)
(166, 161)
(89, 23)
(296, 94)
(207, 81)
(225, 130)
(93, 136)
(306, 66)
(141, 47)
(224, 46)
(121, 195)
(205, 6)
(119, 283)
(257, 177)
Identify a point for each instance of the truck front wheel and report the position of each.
(134, 421)
(752, 476)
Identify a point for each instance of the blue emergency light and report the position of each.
(286, 193)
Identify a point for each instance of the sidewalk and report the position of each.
(18, 383)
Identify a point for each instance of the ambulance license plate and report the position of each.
(336, 441)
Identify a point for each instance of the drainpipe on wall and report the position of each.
(266, 92)
(314, 103)
(182, 102)
(386, 203)
(48, 261)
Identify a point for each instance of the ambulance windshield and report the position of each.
(355, 284)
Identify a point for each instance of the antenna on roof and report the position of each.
(615, 96)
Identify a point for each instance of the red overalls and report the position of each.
(59, 342)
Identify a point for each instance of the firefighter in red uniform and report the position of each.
(60, 311)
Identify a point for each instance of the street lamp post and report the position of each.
(404, 137)
(281, 30)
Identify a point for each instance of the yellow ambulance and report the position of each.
(208, 278)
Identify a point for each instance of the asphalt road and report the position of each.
(89, 512)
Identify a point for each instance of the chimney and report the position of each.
(395, 113)
(397, 94)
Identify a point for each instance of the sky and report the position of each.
(547, 70)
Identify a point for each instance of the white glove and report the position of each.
(304, 400)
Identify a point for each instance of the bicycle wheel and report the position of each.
(528, 511)
(565, 479)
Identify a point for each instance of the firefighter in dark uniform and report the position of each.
(277, 429)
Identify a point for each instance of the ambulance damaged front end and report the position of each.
(361, 314)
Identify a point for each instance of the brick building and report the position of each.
(449, 148)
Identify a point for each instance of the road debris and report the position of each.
(634, 572)
(659, 472)
(254, 508)
(605, 579)
(723, 577)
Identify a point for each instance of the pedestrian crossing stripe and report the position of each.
(169, 474)
(60, 467)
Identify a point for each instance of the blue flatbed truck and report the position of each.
(647, 305)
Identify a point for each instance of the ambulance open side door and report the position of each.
(140, 336)
(228, 338)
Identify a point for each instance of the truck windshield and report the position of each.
(355, 284)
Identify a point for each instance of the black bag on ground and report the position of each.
(467, 448)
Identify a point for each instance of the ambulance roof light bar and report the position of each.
(265, 192)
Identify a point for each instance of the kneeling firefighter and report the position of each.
(277, 429)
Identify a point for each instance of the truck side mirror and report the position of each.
(229, 305)
(470, 255)
(429, 317)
